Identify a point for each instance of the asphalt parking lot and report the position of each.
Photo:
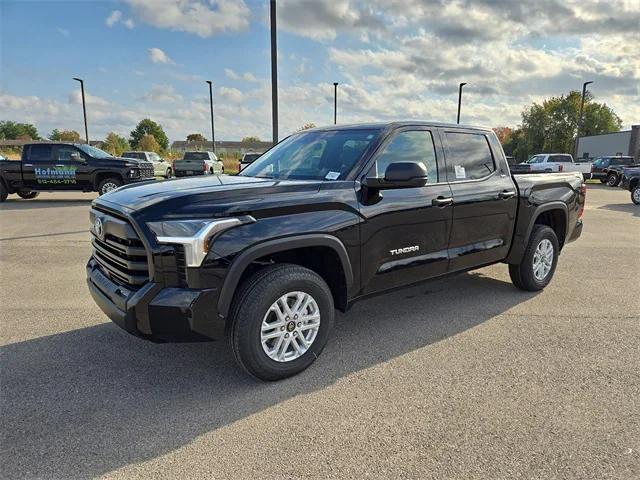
(459, 378)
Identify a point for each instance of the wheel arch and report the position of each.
(295, 250)
(100, 176)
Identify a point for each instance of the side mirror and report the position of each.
(400, 175)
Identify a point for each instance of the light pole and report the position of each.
(335, 103)
(274, 72)
(460, 100)
(84, 108)
(213, 136)
(584, 92)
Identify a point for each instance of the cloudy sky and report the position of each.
(394, 59)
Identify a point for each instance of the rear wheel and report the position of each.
(635, 194)
(538, 264)
(4, 193)
(109, 184)
(280, 321)
(612, 179)
(28, 195)
(169, 173)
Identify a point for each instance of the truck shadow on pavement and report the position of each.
(88, 401)
(18, 204)
(622, 207)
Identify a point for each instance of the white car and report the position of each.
(161, 168)
(553, 162)
(248, 158)
(198, 163)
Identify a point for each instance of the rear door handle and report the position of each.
(505, 194)
(442, 201)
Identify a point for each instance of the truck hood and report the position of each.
(207, 195)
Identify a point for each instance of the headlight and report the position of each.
(195, 235)
(134, 172)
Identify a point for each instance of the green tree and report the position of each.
(64, 135)
(196, 137)
(115, 144)
(552, 126)
(306, 126)
(248, 141)
(148, 143)
(10, 130)
(148, 127)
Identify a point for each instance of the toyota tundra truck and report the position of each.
(68, 167)
(325, 218)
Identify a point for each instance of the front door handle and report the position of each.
(506, 194)
(442, 201)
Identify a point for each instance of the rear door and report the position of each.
(405, 231)
(484, 199)
(38, 168)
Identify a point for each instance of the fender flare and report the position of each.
(239, 265)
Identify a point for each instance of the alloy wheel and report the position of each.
(543, 259)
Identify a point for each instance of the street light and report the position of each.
(460, 100)
(584, 92)
(274, 72)
(335, 103)
(84, 109)
(213, 136)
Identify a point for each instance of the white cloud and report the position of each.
(204, 19)
(231, 74)
(63, 31)
(158, 56)
(113, 18)
(162, 94)
(249, 77)
(232, 95)
(129, 23)
(75, 97)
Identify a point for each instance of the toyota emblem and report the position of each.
(97, 227)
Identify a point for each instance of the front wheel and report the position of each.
(280, 321)
(612, 180)
(538, 264)
(28, 195)
(109, 184)
(635, 194)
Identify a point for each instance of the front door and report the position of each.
(485, 199)
(74, 167)
(405, 231)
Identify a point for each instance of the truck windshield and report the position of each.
(315, 155)
(94, 152)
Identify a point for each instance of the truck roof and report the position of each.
(391, 125)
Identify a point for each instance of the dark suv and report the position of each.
(604, 168)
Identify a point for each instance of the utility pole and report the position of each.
(84, 108)
(213, 134)
(584, 92)
(274, 72)
(460, 100)
(335, 103)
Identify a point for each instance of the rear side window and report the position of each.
(560, 158)
(40, 153)
(469, 156)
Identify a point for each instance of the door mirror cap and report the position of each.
(400, 175)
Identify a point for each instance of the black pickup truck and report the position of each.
(68, 166)
(326, 217)
(631, 181)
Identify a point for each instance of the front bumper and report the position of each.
(157, 313)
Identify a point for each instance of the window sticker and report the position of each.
(460, 173)
(332, 176)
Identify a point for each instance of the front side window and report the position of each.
(313, 155)
(536, 159)
(410, 146)
(469, 156)
(40, 153)
(154, 157)
(64, 153)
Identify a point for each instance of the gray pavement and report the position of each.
(459, 378)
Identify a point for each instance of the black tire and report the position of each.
(28, 195)
(106, 185)
(522, 275)
(254, 299)
(612, 180)
(635, 194)
(211, 171)
(168, 173)
(4, 193)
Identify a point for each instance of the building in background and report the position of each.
(626, 142)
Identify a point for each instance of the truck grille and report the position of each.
(146, 170)
(119, 251)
